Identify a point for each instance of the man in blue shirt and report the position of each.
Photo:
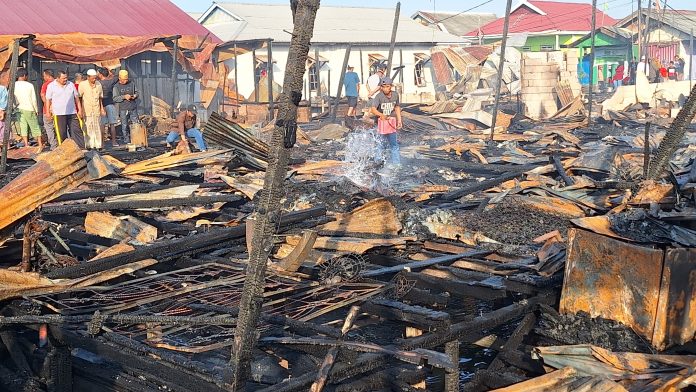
(351, 82)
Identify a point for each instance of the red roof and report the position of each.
(554, 16)
(129, 18)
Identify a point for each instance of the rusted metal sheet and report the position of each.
(612, 279)
(676, 320)
(443, 74)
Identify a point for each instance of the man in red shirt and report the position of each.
(48, 77)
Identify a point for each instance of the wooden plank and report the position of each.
(119, 227)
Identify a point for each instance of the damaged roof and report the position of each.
(238, 21)
(126, 18)
(535, 16)
(455, 23)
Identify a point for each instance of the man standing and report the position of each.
(186, 127)
(351, 82)
(65, 107)
(48, 78)
(25, 96)
(126, 95)
(91, 93)
(643, 67)
(107, 81)
(679, 64)
(373, 82)
(387, 107)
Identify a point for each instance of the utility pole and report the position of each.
(10, 103)
(592, 62)
(393, 38)
(501, 63)
(267, 213)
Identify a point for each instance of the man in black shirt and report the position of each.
(126, 96)
(107, 80)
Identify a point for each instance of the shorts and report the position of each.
(352, 102)
(111, 117)
(28, 120)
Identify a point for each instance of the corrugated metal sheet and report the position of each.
(333, 24)
(128, 18)
(663, 52)
(443, 74)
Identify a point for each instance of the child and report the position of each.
(672, 71)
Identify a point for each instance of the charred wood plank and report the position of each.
(383, 379)
(558, 165)
(514, 340)
(330, 358)
(98, 193)
(172, 249)
(425, 263)
(133, 205)
(466, 330)
(417, 316)
(77, 235)
(482, 186)
(455, 287)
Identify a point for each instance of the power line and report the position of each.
(459, 13)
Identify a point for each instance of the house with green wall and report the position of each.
(537, 26)
(613, 46)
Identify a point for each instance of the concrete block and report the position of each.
(542, 82)
(535, 55)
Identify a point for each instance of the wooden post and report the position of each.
(236, 79)
(452, 376)
(174, 75)
(362, 73)
(691, 59)
(267, 212)
(501, 63)
(256, 83)
(646, 150)
(10, 103)
(334, 110)
(316, 74)
(401, 64)
(393, 38)
(646, 34)
(640, 39)
(30, 57)
(592, 61)
(269, 76)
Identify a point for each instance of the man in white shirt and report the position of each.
(25, 96)
(65, 107)
(373, 82)
(642, 67)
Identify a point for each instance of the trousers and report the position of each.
(68, 126)
(194, 133)
(391, 142)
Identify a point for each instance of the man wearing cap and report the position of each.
(64, 105)
(351, 82)
(107, 81)
(91, 93)
(386, 106)
(126, 95)
(186, 127)
(373, 82)
(25, 96)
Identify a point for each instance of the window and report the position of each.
(313, 78)
(546, 47)
(145, 67)
(375, 60)
(526, 48)
(419, 70)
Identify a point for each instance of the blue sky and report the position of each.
(615, 8)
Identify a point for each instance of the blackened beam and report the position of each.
(556, 161)
(136, 204)
(470, 167)
(296, 326)
(77, 235)
(465, 330)
(425, 263)
(514, 340)
(192, 376)
(118, 319)
(417, 316)
(482, 186)
(455, 287)
(91, 194)
(173, 248)
(383, 379)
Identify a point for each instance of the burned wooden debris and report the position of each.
(551, 247)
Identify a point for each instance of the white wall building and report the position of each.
(368, 30)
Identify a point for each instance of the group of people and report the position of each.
(86, 110)
(383, 103)
(655, 70)
(81, 109)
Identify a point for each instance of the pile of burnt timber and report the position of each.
(500, 252)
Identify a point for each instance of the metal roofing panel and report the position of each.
(333, 24)
(125, 18)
